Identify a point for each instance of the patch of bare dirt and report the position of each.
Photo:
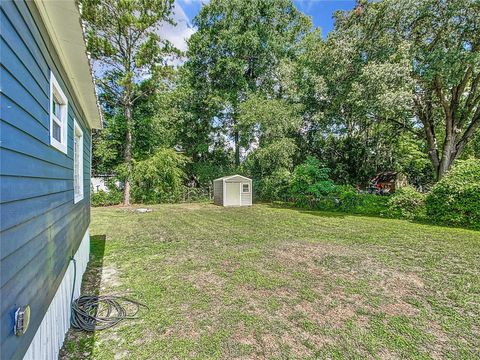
(121, 355)
(229, 266)
(398, 308)
(110, 278)
(301, 252)
(398, 283)
(207, 281)
(386, 354)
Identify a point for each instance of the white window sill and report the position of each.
(58, 145)
(77, 198)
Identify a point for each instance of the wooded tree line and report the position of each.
(395, 86)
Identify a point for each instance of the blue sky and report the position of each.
(320, 11)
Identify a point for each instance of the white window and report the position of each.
(246, 188)
(77, 163)
(58, 116)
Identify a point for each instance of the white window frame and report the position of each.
(77, 133)
(248, 191)
(56, 91)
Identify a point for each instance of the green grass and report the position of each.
(273, 283)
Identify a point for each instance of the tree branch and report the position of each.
(471, 101)
(467, 135)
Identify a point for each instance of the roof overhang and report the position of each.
(232, 176)
(63, 23)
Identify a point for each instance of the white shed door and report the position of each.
(232, 196)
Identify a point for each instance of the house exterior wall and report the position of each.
(49, 336)
(40, 226)
(218, 192)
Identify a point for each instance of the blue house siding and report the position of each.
(40, 226)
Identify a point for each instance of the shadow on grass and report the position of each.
(343, 214)
(80, 344)
(315, 212)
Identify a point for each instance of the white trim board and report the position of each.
(232, 176)
(63, 24)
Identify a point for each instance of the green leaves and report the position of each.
(123, 36)
(311, 180)
(234, 55)
(160, 178)
(267, 120)
(455, 199)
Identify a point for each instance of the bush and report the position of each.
(371, 204)
(275, 187)
(455, 200)
(344, 198)
(347, 198)
(407, 203)
(106, 198)
(310, 181)
(159, 179)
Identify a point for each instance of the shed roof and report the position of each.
(232, 176)
(386, 176)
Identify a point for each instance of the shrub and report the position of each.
(274, 187)
(106, 198)
(159, 179)
(344, 198)
(371, 204)
(310, 181)
(455, 199)
(407, 203)
(196, 194)
(347, 198)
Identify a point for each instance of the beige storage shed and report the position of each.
(234, 190)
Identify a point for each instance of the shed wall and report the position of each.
(40, 226)
(218, 192)
(247, 197)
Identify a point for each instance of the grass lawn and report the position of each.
(275, 283)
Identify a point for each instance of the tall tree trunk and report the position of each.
(459, 127)
(236, 139)
(128, 152)
(424, 112)
(448, 155)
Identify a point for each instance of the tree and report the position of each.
(343, 121)
(198, 134)
(123, 39)
(311, 179)
(269, 128)
(159, 178)
(437, 43)
(236, 50)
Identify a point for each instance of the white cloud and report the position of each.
(179, 34)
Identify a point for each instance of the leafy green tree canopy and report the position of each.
(435, 47)
(236, 50)
(123, 39)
